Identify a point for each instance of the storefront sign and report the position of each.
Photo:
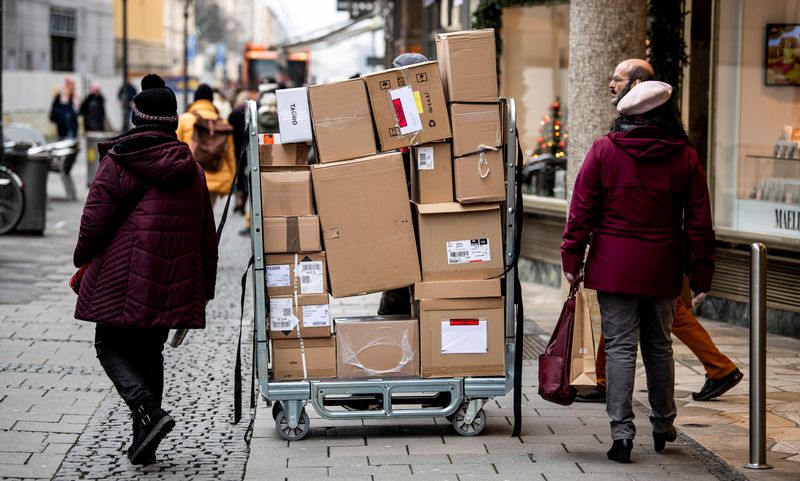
(769, 217)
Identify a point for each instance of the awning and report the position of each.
(336, 33)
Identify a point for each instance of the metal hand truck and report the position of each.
(460, 400)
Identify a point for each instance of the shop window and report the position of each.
(63, 30)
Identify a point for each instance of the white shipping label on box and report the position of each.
(425, 158)
(310, 273)
(464, 336)
(294, 117)
(279, 276)
(281, 317)
(316, 316)
(405, 110)
(470, 250)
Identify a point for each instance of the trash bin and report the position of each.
(32, 170)
(92, 155)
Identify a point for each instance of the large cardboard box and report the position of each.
(377, 347)
(480, 177)
(282, 155)
(294, 117)
(286, 192)
(292, 234)
(287, 359)
(473, 126)
(366, 224)
(462, 337)
(307, 314)
(408, 105)
(432, 173)
(301, 273)
(460, 241)
(467, 62)
(342, 120)
(458, 289)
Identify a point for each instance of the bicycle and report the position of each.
(12, 200)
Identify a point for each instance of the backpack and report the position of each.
(209, 141)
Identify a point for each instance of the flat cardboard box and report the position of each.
(282, 155)
(462, 337)
(286, 192)
(408, 105)
(467, 63)
(306, 273)
(377, 347)
(291, 234)
(473, 126)
(308, 314)
(294, 116)
(460, 241)
(287, 359)
(342, 120)
(480, 177)
(459, 289)
(432, 173)
(366, 224)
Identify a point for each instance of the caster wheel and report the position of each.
(472, 429)
(276, 408)
(292, 434)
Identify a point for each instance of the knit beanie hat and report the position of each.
(155, 104)
(644, 97)
(406, 59)
(203, 92)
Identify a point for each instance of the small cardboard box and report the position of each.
(305, 273)
(282, 155)
(287, 359)
(294, 117)
(462, 337)
(480, 177)
(366, 224)
(460, 241)
(432, 173)
(308, 313)
(459, 289)
(342, 120)
(467, 63)
(473, 126)
(291, 234)
(408, 105)
(286, 192)
(377, 347)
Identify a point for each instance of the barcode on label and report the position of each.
(287, 312)
(305, 279)
(281, 325)
(459, 254)
(308, 267)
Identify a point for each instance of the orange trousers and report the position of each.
(690, 332)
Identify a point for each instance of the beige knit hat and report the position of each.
(644, 97)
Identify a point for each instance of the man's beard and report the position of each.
(622, 93)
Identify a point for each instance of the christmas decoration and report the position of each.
(552, 134)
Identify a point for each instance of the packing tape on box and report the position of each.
(292, 234)
(482, 162)
(349, 356)
(297, 307)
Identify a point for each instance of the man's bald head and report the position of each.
(627, 74)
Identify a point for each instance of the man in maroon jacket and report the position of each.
(641, 198)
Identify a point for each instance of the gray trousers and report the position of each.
(626, 321)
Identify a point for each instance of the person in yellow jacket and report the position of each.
(219, 182)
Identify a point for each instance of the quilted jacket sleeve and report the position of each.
(97, 221)
(210, 254)
(583, 210)
(699, 230)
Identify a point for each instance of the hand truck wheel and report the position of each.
(458, 420)
(289, 433)
(12, 200)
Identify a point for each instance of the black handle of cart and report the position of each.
(459, 399)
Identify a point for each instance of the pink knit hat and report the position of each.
(644, 97)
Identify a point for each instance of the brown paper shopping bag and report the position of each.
(582, 362)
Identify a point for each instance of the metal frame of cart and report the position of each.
(461, 400)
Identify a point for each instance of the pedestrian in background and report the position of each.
(125, 96)
(640, 192)
(64, 110)
(219, 180)
(93, 110)
(147, 235)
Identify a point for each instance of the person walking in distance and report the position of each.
(147, 236)
(639, 193)
(64, 110)
(211, 140)
(93, 110)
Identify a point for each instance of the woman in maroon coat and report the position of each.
(641, 199)
(147, 235)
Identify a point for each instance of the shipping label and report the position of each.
(310, 274)
(405, 110)
(281, 317)
(464, 336)
(316, 316)
(278, 276)
(466, 251)
(425, 158)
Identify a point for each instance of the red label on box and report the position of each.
(464, 322)
(398, 110)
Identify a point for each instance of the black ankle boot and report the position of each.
(660, 439)
(150, 427)
(621, 450)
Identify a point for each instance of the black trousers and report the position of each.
(133, 360)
